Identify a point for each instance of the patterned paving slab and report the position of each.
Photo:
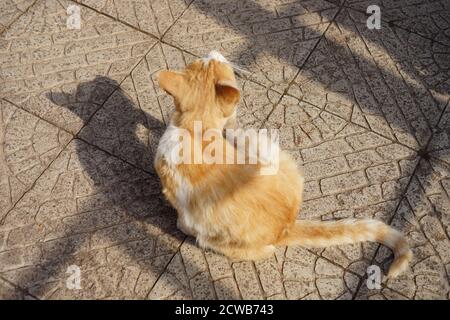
(10, 10)
(424, 216)
(375, 79)
(94, 211)
(430, 18)
(152, 16)
(357, 116)
(27, 146)
(40, 55)
(132, 120)
(269, 38)
(293, 273)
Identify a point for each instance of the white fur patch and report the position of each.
(214, 55)
(167, 144)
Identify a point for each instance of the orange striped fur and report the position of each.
(231, 208)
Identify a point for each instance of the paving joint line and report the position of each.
(18, 17)
(22, 290)
(35, 115)
(167, 265)
(115, 156)
(209, 273)
(176, 20)
(116, 19)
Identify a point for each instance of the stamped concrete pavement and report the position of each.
(364, 112)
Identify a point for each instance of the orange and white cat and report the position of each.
(232, 208)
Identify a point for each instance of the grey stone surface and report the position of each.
(365, 113)
(94, 211)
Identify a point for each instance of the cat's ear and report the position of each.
(171, 82)
(228, 95)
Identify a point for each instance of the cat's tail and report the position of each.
(329, 233)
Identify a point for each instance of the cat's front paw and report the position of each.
(183, 228)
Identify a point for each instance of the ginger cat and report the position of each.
(232, 208)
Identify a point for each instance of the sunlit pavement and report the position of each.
(364, 111)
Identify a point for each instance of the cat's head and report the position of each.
(205, 91)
